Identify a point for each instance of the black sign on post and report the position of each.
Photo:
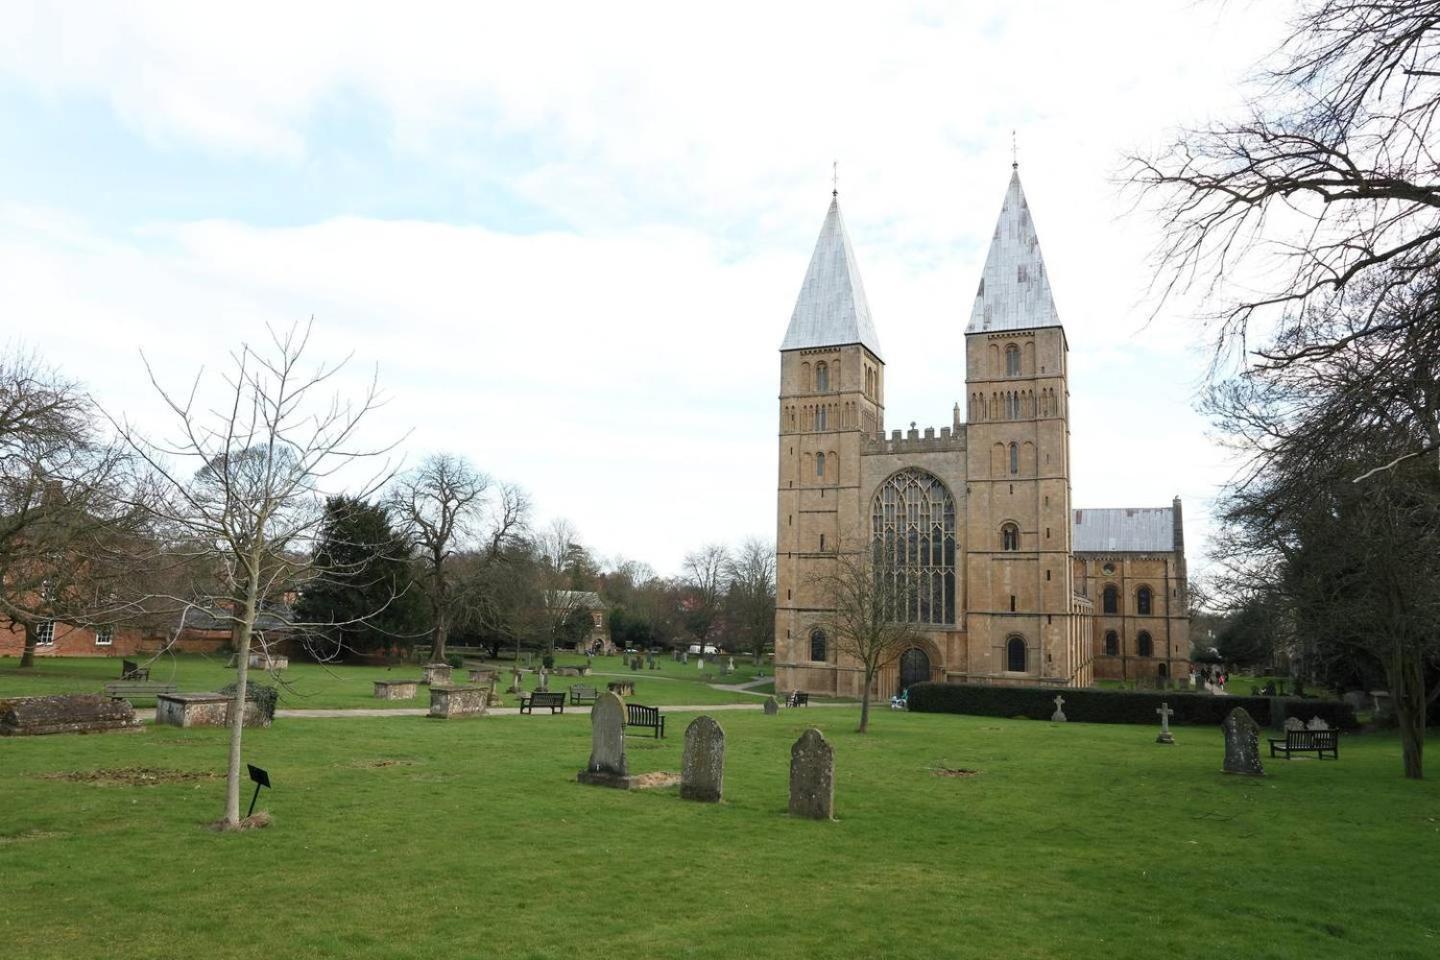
(262, 779)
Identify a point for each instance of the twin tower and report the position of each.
(976, 513)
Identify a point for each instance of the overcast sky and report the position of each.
(571, 235)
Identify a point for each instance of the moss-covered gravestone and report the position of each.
(812, 777)
(702, 770)
(608, 766)
(1242, 744)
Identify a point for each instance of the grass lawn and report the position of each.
(310, 686)
(418, 838)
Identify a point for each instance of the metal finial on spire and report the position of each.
(834, 178)
(1014, 151)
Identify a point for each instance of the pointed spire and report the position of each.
(832, 310)
(1014, 289)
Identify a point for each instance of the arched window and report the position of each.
(1110, 600)
(1012, 361)
(819, 464)
(1112, 643)
(1142, 601)
(912, 521)
(1009, 537)
(817, 644)
(1014, 459)
(1144, 645)
(1162, 670)
(820, 418)
(822, 378)
(1015, 655)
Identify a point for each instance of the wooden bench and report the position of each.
(130, 670)
(580, 693)
(138, 689)
(639, 716)
(543, 698)
(798, 699)
(1305, 741)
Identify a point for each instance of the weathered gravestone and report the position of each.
(812, 777)
(1059, 715)
(544, 685)
(447, 702)
(1242, 744)
(436, 673)
(396, 689)
(1317, 723)
(1294, 723)
(702, 770)
(1165, 735)
(67, 713)
(608, 766)
(517, 681)
(771, 707)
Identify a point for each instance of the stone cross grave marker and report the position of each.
(1317, 723)
(702, 770)
(1059, 715)
(812, 777)
(771, 707)
(1294, 723)
(1165, 735)
(544, 680)
(1242, 744)
(517, 681)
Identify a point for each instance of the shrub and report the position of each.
(1089, 705)
(263, 694)
(455, 660)
(548, 661)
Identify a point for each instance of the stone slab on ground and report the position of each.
(65, 713)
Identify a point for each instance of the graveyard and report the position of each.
(952, 836)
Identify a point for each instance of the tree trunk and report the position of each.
(441, 634)
(1408, 696)
(27, 659)
(865, 702)
(237, 705)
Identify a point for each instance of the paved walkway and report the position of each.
(515, 711)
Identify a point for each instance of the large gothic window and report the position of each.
(1144, 645)
(1110, 600)
(1112, 643)
(913, 530)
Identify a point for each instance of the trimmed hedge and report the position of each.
(1087, 705)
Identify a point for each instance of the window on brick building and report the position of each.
(822, 378)
(1142, 601)
(1015, 655)
(104, 635)
(1014, 459)
(1144, 645)
(1110, 600)
(1112, 643)
(819, 464)
(1012, 361)
(817, 645)
(45, 633)
(1009, 537)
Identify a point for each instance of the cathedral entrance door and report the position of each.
(914, 667)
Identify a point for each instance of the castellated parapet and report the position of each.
(914, 441)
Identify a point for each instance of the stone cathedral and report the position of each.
(1012, 583)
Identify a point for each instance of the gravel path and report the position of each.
(515, 711)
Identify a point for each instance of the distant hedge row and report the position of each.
(1119, 706)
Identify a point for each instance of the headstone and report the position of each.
(812, 777)
(1317, 723)
(65, 713)
(771, 707)
(650, 661)
(699, 663)
(608, 766)
(544, 684)
(730, 665)
(1165, 735)
(684, 656)
(1383, 704)
(1294, 723)
(1242, 744)
(1059, 715)
(1358, 699)
(702, 770)
(517, 681)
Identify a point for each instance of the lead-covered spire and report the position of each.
(1014, 289)
(831, 310)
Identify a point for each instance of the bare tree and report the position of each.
(703, 573)
(866, 595)
(439, 506)
(244, 480)
(1332, 179)
(70, 523)
(563, 568)
(750, 595)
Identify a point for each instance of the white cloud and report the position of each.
(624, 369)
